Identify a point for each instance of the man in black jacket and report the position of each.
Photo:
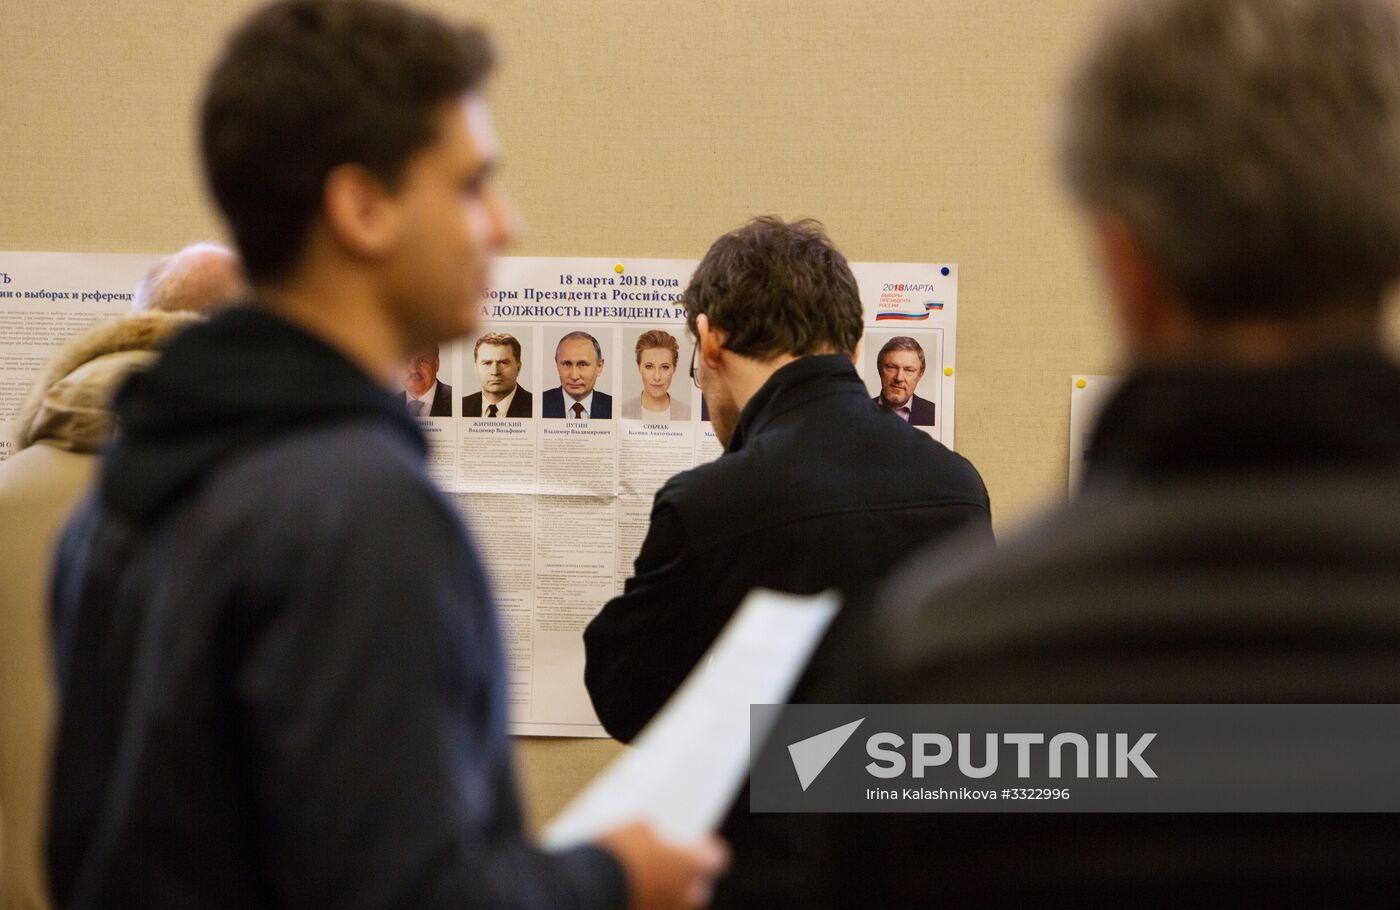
(817, 488)
(280, 674)
(1238, 535)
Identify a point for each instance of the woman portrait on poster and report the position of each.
(658, 355)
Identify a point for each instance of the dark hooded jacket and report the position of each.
(277, 656)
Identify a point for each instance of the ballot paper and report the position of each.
(688, 764)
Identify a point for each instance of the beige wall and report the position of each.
(916, 130)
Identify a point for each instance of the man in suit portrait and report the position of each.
(901, 364)
(423, 394)
(579, 359)
(497, 358)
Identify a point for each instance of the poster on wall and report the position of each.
(1088, 395)
(48, 298)
(554, 424)
(910, 313)
(587, 362)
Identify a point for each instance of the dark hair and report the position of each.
(579, 336)
(901, 343)
(500, 340)
(305, 86)
(664, 341)
(775, 287)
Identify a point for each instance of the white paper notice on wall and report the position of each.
(910, 350)
(688, 764)
(1088, 395)
(46, 300)
(558, 507)
(567, 501)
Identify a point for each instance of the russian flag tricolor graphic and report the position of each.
(911, 317)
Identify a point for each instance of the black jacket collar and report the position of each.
(1338, 412)
(220, 387)
(792, 386)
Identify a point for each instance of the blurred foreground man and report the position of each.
(1238, 536)
(280, 674)
(62, 425)
(817, 488)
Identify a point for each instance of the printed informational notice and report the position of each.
(1088, 395)
(46, 299)
(553, 426)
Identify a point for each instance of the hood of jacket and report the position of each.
(221, 388)
(69, 406)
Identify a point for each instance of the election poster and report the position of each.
(553, 425)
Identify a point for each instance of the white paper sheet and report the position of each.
(1088, 395)
(46, 299)
(688, 764)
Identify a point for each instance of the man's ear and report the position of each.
(1150, 317)
(855, 357)
(362, 216)
(711, 341)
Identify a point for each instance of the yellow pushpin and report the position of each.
(947, 371)
(1082, 383)
(618, 268)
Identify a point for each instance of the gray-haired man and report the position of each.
(901, 364)
(1238, 538)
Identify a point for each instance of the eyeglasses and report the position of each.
(695, 349)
